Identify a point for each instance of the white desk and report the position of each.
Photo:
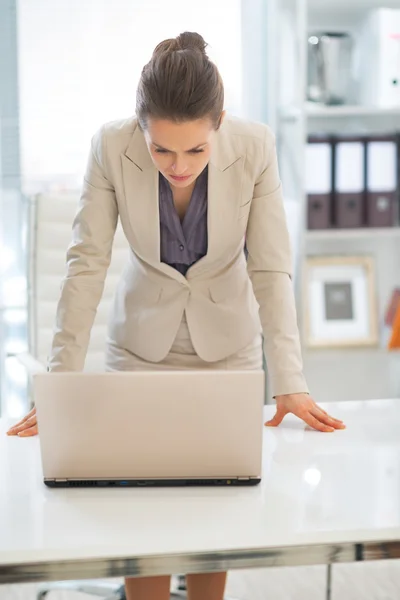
(324, 498)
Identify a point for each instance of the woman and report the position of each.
(189, 185)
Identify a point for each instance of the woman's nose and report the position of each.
(179, 167)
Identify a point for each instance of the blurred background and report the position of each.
(325, 75)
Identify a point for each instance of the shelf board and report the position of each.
(347, 110)
(321, 354)
(361, 233)
(355, 5)
(316, 111)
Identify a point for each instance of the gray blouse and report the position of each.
(182, 243)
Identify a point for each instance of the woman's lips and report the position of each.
(180, 178)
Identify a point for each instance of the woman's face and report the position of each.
(180, 151)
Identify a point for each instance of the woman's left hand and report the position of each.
(304, 407)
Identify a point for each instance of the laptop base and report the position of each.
(63, 483)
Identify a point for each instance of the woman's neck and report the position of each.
(181, 197)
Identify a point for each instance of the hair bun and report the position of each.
(185, 41)
(191, 41)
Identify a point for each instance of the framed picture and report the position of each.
(339, 302)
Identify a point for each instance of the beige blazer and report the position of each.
(227, 301)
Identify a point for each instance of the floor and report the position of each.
(362, 581)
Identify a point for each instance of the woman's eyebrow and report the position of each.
(162, 147)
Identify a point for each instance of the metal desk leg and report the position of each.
(329, 582)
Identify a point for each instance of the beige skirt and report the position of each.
(182, 356)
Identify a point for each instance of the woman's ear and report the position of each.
(221, 119)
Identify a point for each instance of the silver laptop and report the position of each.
(174, 428)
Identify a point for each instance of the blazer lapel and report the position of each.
(141, 195)
(141, 183)
(225, 174)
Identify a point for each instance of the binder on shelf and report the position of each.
(319, 161)
(381, 181)
(393, 306)
(394, 341)
(349, 186)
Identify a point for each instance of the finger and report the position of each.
(318, 412)
(29, 432)
(316, 424)
(29, 423)
(327, 414)
(12, 431)
(30, 414)
(277, 418)
(327, 419)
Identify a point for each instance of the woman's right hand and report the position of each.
(26, 427)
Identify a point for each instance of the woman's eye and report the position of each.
(161, 151)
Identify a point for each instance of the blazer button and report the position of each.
(181, 247)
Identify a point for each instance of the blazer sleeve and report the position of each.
(270, 270)
(88, 258)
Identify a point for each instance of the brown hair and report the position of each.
(180, 83)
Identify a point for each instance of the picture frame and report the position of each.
(339, 302)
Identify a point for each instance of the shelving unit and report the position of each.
(333, 374)
(362, 233)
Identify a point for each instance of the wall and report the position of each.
(80, 61)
